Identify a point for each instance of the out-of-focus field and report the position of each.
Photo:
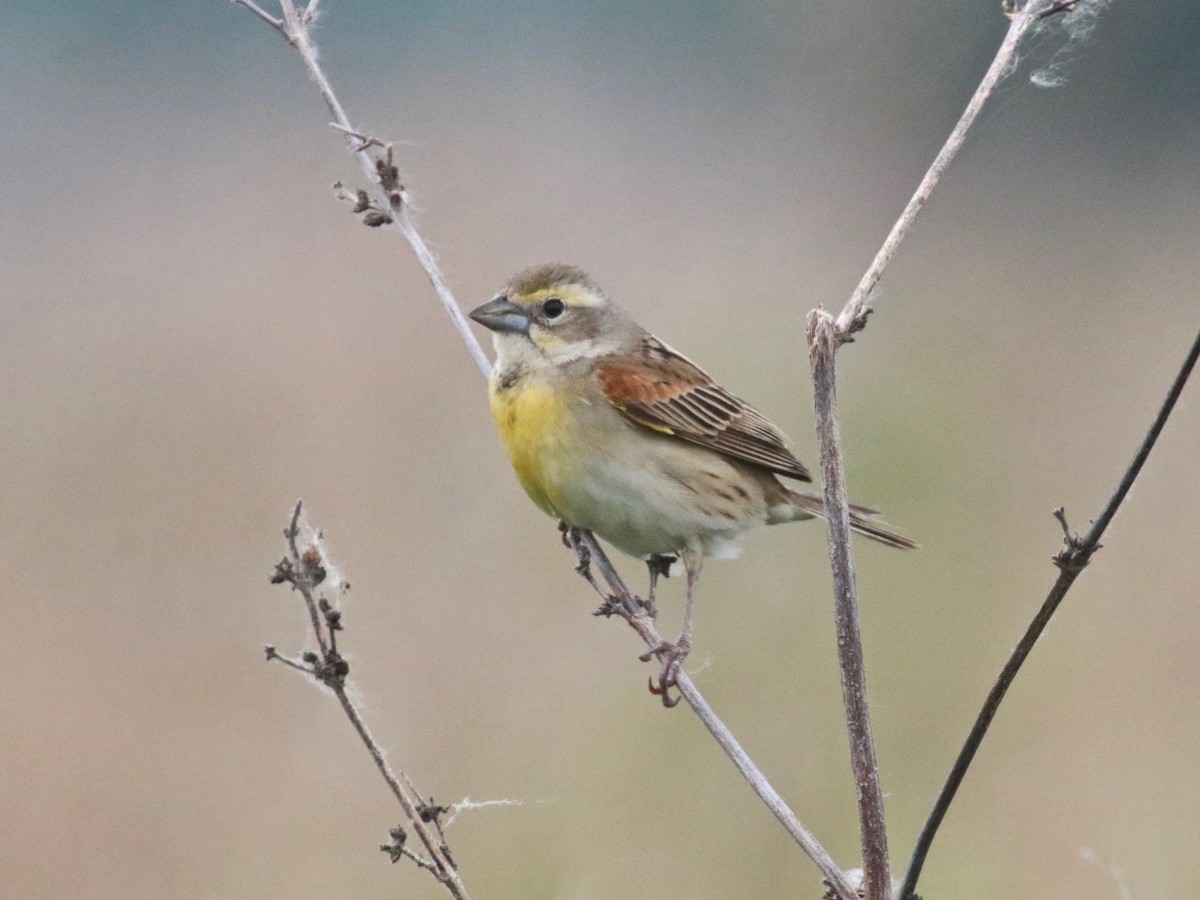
(194, 333)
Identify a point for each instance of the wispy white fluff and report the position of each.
(466, 804)
(1077, 25)
(1088, 855)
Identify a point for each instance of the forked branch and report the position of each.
(825, 336)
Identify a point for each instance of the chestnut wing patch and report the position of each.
(662, 390)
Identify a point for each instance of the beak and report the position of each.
(500, 315)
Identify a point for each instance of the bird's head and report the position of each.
(554, 313)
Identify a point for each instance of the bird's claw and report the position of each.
(661, 690)
(672, 657)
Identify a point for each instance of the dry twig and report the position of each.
(618, 600)
(388, 197)
(822, 343)
(305, 568)
(825, 336)
(853, 315)
(1071, 561)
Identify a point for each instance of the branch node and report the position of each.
(385, 168)
(430, 812)
(284, 573)
(857, 323)
(333, 617)
(273, 654)
(385, 173)
(395, 849)
(375, 218)
(1060, 513)
(1075, 556)
(609, 608)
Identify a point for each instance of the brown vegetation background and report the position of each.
(195, 333)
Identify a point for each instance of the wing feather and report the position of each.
(663, 390)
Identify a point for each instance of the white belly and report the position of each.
(651, 494)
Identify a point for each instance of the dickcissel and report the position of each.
(611, 430)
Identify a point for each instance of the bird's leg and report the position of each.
(692, 562)
(569, 538)
(658, 565)
(652, 565)
(673, 655)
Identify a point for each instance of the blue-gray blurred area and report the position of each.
(195, 332)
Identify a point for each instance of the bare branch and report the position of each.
(1071, 561)
(853, 315)
(397, 850)
(305, 568)
(825, 336)
(294, 29)
(622, 602)
(418, 859)
(273, 654)
(275, 23)
(822, 344)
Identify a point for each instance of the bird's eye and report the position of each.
(553, 308)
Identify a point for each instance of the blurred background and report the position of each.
(195, 333)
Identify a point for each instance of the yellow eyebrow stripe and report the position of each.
(570, 294)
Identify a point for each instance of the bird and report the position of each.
(610, 430)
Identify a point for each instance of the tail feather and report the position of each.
(861, 519)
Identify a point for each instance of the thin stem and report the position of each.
(635, 613)
(314, 616)
(295, 30)
(822, 343)
(304, 569)
(289, 662)
(852, 315)
(275, 23)
(418, 859)
(445, 868)
(1091, 541)
(825, 336)
(1071, 562)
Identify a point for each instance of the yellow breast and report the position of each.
(537, 432)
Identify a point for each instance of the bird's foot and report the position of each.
(671, 656)
(609, 608)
